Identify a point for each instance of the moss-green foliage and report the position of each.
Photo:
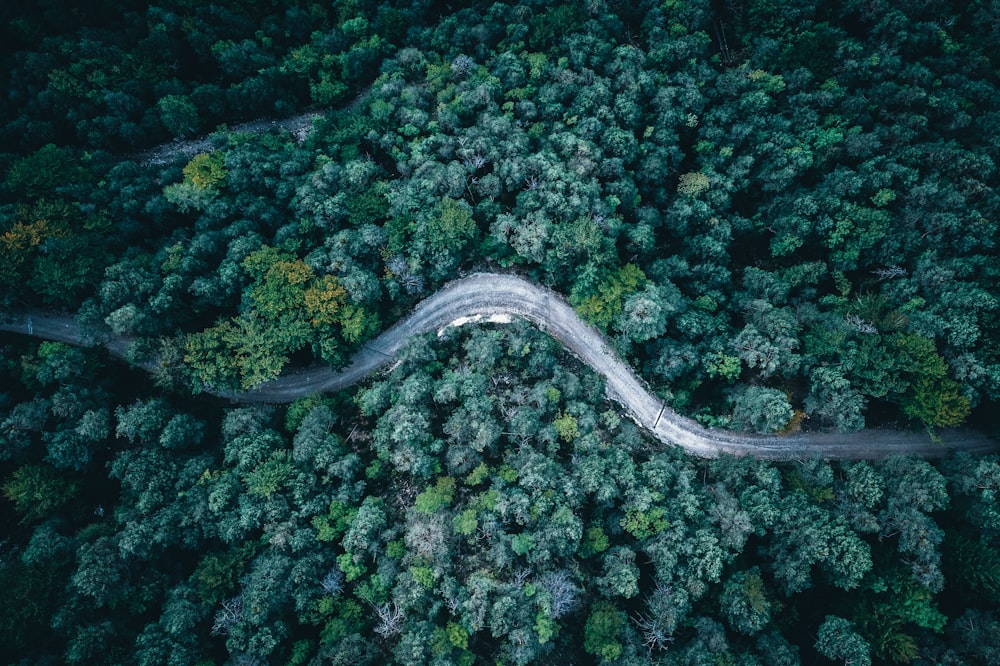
(237, 354)
(216, 577)
(891, 625)
(436, 498)
(607, 298)
(271, 475)
(288, 308)
(333, 525)
(368, 207)
(450, 227)
(37, 491)
(465, 523)
(552, 23)
(937, 403)
(43, 172)
(643, 524)
(601, 632)
(566, 427)
(974, 566)
(595, 542)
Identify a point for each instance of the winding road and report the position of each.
(487, 295)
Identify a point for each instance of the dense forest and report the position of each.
(783, 215)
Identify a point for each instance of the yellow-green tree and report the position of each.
(287, 307)
(450, 227)
(324, 301)
(931, 397)
(205, 171)
(601, 305)
(238, 353)
(17, 245)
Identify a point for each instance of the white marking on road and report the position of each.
(498, 318)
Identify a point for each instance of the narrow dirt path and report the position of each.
(485, 295)
(298, 125)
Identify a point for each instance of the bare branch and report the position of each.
(565, 595)
(390, 619)
(228, 616)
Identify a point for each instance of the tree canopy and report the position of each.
(783, 215)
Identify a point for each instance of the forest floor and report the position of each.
(489, 295)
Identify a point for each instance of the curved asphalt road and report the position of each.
(487, 294)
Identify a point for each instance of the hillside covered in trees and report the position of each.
(783, 215)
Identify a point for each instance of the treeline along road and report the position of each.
(485, 295)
